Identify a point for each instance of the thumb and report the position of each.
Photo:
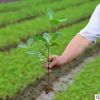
(52, 64)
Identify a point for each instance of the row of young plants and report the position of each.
(85, 85)
(13, 33)
(20, 4)
(11, 6)
(33, 11)
(18, 69)
(7, 7)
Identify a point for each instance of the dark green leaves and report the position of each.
(54, 44)
(38, 37)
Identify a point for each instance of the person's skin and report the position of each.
(76, 47)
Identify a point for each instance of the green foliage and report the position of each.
(48, 39)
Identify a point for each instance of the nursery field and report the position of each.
(22, 19)
(85, 85)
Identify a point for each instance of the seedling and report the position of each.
(49, 40)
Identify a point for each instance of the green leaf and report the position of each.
(57, 21)
(56, 35)
(22, 45)
(37, 54)
(47, 37)
(50, 14)
(62, 20)
(43, 53)
(27, 45)
(30, 42)
(54, 44)
(30, 53)
(38, 37)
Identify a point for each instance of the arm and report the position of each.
(76, 47)
(81, 41)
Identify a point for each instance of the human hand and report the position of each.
(54, 62)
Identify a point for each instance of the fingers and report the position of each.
(52, 64)
(51, 58)
(49, 71)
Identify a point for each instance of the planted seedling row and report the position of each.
(34, 12)
(32, 26)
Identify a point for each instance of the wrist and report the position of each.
(62, 60)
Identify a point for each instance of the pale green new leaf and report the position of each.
(30, 53)
(37, 54)
(30, 42)
(47, 37)
(62, 20)
(50, 14)
(22, 45)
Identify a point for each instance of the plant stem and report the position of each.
(49, 27)
(48, 68)
(48, 57)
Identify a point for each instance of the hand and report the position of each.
(55, 62)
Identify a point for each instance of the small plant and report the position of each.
(48, 40)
